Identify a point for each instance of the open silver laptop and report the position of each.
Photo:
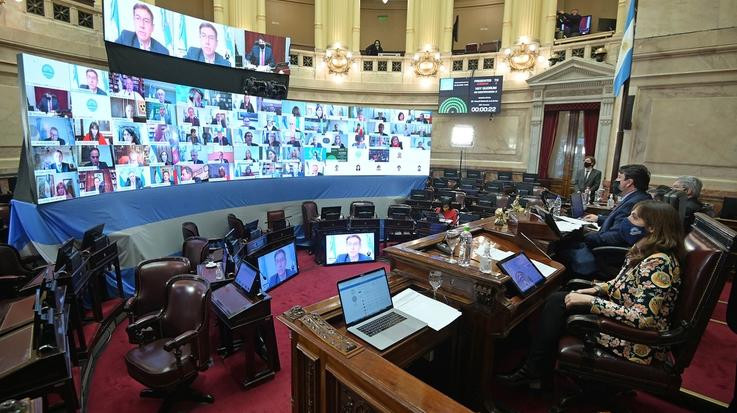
(369, 312)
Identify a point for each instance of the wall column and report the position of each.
(338, 22)
(526, 18)
(507, 24)
(547, 22)
(621, 16)
(248, 14)
(220, 11)
(429, 25)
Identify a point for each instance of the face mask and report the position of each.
(631, 233)
(615, 188)
(261, 45)
(587, 164)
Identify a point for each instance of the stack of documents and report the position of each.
(432, 312)
(574, 223)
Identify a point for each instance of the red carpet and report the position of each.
(711, 373)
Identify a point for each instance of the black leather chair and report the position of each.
(309, 214)
(13, 272)
(602, 374)
(275, 219)
(196, 251)
(170, 364)
(236, 224)
(354, 204)
(151, 277)
(189, 229)
(399, 226)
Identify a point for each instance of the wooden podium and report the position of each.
(332, 369)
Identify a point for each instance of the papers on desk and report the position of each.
(498, 255)
(577, 223)
(432, 312)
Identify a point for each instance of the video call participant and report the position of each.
(219, 120)
(248, 139)
(95, 159)
(92, 82)
(164, 158)
(61, 190)
(196, 96)
(186, 174)
(161, 96)
(315, 169)
(282, 272)
(49, 102)
(143, 19)
(337, 142)
(134, 180)
(129, 91)
(247, 124)
(614, 229)
(162, 115)
(194, 156)
(93, 134)
(247, 105)
(208, 44)
(221, 158)
(643, 296)
(359, 143)
(353, 245)
(166, 177)
(380, 130)
(193, 138)
(221, 139)
(59, 165)
(395, 142)
(100, 185)
(130, 137)
(261, 54)
(588, 177)
(191, 117)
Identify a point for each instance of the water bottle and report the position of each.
(586, 196)
(599, 194)
(556, 206)
(466, 244)
(485, 259)
(610, 201)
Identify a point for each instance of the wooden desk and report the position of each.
(215, 275)
(490, 309)
(598, 209)
(333, 371)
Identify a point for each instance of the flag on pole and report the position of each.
(624, 60)
(167, 30)
(114, 17)
(182, 33)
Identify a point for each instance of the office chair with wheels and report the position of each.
(196, 251)
(603, 374)
(170, 364)
(151, 277)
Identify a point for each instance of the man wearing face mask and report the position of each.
(614, 229)
(587, 178)
(261, 54)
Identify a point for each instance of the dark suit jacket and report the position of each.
(692, 206)
(199, 161)
(345, 258)
(99, 91)
(248, 107)
(43, 105)
(102, 165)
(195, 121)
(610, 226)
(65, 167)
(129, 38)
(195, 53)
(253, 57)
(274, 279)
(593, 182)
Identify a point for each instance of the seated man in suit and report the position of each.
(209, 43)
(282, 272)
(59, 165)
(691, 186)
(195, 157)
(353, 243)
(588, 177)
(614, 229)
(192, 117)
(92, 83)
(95, 159)
(53, 136)
(261, 54)
(143, 20)
(49, 102)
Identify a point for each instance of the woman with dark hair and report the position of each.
(395, 142)
(130, 137)
(271, 155)
(319, 112)
(338, 142)
(164, 158)
(93, 134)
(643, 295)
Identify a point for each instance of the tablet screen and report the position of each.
(525, 276)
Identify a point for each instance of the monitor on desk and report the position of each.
(251, 226)
(64, 255)
(523, 272)
(255, 244)
(349, 248)
(89, 237)
(504, 176)
(278, 266)
(247, 277)
(420, 195)
(330, 213)
(577, 208)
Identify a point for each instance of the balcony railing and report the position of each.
(76, 13)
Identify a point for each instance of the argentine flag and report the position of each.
(624, 60)
(115, 17)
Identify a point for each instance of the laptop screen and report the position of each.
(364, 296)
(245, 276)
(522, 271)
(576, 206)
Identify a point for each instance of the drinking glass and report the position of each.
(436, 280)
(452, 237)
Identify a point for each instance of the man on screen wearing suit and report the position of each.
(209, 43)
(261, 54)
(587, 178)
(143, 20)
(353, 243)
(59, 165)
(92, 82)
(49, 103)
(282, 272)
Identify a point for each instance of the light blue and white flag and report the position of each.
(166, 29)
(115, 17)
(624, 61)
(182, 33)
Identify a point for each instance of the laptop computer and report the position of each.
(369, 312)
(577, 208)
(232, 298)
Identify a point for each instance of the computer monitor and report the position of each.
(278, 266)
(251, 226)
(504, 176)
(231, 242)
(364, 211)
(584, 26)
(488, 201)
(330, 213)
(419, 195)
(470, 173)
(349, 248)
(577, 209)
(529, 178)
(246, 277)
(256, 244)
(399, 212)
(64, 254)
(89, 237)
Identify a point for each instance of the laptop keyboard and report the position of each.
(380, 324)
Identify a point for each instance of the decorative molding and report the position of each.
(322, 329)
(573, 92)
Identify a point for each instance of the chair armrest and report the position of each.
(129, 304)
(578, 284)
(587, 324)
(142, 323)
(180, 340)
(12, 278)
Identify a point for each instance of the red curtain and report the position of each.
(550, 126)
(590, 127)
